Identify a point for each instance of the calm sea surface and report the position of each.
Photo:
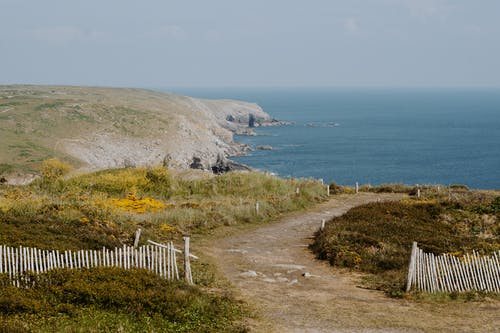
(411, 136)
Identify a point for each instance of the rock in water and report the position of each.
(251, 120)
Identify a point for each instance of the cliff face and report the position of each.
(99, 128)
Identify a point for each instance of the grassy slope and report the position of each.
(33, 119)
(89, 211)
(37, 121)
(377, 238)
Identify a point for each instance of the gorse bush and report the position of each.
(54, 168)
(111, 182)
(131, 203)
(159, 181)
(105, 208)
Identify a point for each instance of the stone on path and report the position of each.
(249, 274)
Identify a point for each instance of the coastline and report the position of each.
(95, 128)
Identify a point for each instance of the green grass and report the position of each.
(13, 103)
(49, 105)
(38, 114)
(377, 238)
(4, 167)
(79, 212)
(110, 299)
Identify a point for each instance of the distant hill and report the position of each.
(100, 128)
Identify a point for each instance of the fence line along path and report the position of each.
(158, 258)
(446, 273)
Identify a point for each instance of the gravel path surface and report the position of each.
(273, 269)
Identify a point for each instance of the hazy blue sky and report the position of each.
(166, 43)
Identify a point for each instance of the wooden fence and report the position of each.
(17, 262)
(446, 273)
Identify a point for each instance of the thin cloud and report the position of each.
(428, 8)
(473, 29)
(57, 34)
(351, 25)
(213, 36)
(63, 34)
(423, 9)
(171, 32)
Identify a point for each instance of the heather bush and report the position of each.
(70, 296)
(376, 238)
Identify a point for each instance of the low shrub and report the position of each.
(104, 209)
(376, 238)
(133, 294)
(388, 188)
(336, 189)
(492, 207)
(54, 168)
(459, 187)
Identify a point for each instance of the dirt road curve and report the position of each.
(267, 266)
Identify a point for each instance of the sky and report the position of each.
(257, 43)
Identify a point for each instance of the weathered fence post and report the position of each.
(187, 263)
(297, 191)
(411, 267)
(257, 208)
(1, 258)
(137, 237)
(357, 188)
(418, 193)
(328, 190)
(322, 224)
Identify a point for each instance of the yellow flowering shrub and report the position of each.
(54, 168)
(166, 227)
(3, 205)
(419, 201)
(131, 203)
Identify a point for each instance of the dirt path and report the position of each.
(267, 266)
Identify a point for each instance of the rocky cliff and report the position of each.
(99, 128)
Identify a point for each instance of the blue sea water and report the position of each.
(411, 136)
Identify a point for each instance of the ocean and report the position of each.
(376, 136)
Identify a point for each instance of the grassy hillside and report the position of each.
(104, 209)
(100, 128)
(33, 119)
(377, 238)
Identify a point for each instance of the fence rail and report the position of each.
(19, 261)
(447, 273)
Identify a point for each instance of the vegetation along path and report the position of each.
(273, 270)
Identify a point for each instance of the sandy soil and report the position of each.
(272, 268)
